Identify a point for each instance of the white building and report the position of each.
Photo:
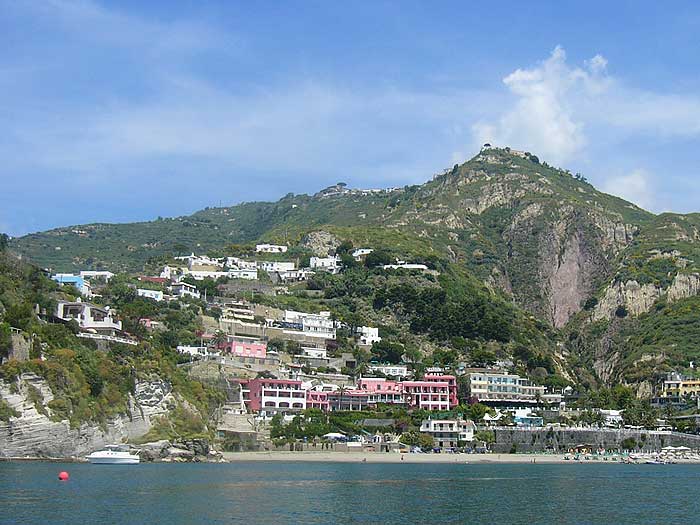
(167, 272)
(368, 335)
(313, 325)
(328, 264)
(197, 351)
(242, 273)
(90, 317)
(183, 289)
(402, 265)
(613, 418)
(449, 433)
(156, 295)
(390, 370)
(361, 253)
(270, 248)
(96, 274)
(493, 386)
(276, 266)
(316, 353)
(240, 264)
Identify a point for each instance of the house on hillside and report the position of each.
(90, 318)
(183, 289)
(270, 248)
(77, 281)
(328, 264)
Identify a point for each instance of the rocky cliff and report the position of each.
(38, 432)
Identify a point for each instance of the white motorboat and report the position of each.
(113, 455)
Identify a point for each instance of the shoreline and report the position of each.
(393, 457)
(378, 458)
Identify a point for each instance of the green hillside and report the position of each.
(504, 225)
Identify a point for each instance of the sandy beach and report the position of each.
(393, 457)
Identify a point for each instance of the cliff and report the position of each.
(38, 431)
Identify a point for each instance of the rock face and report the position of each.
(37, 433)
(20, 347)
(196, 450)
(554, 266)
(321, 243)
(638, 299)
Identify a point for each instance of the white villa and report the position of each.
(270, 248)
(361, 253)
(313, 325)
(368, 335)
(183, 289)
(329, 264)
(449, 432)
(156, 295)
(90, 317)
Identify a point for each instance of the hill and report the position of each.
(539, 237)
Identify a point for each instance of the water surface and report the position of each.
(349, 493)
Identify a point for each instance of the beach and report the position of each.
(393, 457)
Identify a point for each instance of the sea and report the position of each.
(278, 493)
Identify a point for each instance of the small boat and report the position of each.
(654, 462)
(113, 455)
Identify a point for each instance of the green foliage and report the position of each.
(387, 352)
(5, 340)
(487, 436)
(6, 411)
(628, 443)
(414, 438)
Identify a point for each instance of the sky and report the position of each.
(130, 110)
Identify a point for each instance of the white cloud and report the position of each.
(636, 187)
(543, 117)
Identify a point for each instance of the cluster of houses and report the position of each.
(83, 280)
(200, 267)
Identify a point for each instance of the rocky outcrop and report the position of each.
(635, 298)
(39, 431)
(638, 299)
(20, 347)
(191, 450)
(321, 243)
(683, 286)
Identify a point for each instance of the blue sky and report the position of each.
(123, 111)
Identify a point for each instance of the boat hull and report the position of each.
(113, 461)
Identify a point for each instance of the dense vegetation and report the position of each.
(88, 384)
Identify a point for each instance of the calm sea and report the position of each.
(280, 493)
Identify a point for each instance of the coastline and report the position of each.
(393, 457)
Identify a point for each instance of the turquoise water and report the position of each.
(349, 493)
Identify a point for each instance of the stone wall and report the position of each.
(562, 439)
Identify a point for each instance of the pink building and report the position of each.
(247, 349)
(451, 384)
(382, 390)
(316, 399)
(428, 395)
(272, 395)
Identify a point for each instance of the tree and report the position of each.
(5, 340)
(378, 258)
(4, 241)
(477, 411)
(388, 352)
(487, 436)
(414, 438)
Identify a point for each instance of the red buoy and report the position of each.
(63, 475)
